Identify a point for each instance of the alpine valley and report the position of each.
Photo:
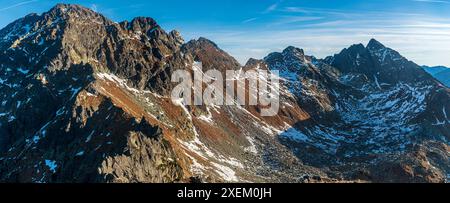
(86, 99)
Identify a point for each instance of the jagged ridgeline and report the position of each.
(86, 99)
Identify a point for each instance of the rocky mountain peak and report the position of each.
(141, 24)
(65, 11)
(175, 34)
(379, 62)
(62, 8)
(294, 51)
(205, 42)
(357, 48)
(291, 59)
(68, 35)
(375, 45)
(253, 61)
(210, 55)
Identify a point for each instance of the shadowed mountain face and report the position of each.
(372, 109)
(377, 61)
(85, 99)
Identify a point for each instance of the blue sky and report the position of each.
(419, 29)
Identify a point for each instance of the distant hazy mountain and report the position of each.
(441, 73)
(86, 99)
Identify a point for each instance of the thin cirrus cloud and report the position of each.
(320, 11)
(282, 20)
(273, 7)
(249, 20)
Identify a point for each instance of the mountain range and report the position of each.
(86, 99)
(441, 73)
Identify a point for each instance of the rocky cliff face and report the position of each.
(85, 99)
(62, 99)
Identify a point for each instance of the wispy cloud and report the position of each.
(249, 20)
(342, 13)
(306, 10)
(294, 19)
(433, 1)
(17, 5)
(273, 7)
